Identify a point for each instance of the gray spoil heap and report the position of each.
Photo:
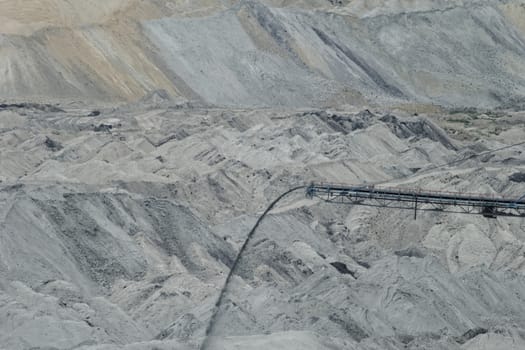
(122, 238)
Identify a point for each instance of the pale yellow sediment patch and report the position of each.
(25, 17)
(515, 12)
(95, 47)
(112, 58)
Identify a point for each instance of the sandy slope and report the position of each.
(249, 53)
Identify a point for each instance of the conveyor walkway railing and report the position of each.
(488, 205)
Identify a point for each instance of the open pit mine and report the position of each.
(253, 175)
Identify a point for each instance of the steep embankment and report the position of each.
(249, 54)
(83, 50)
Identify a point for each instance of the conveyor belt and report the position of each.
(488, 205)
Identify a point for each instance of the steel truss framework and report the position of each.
(490, 206)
